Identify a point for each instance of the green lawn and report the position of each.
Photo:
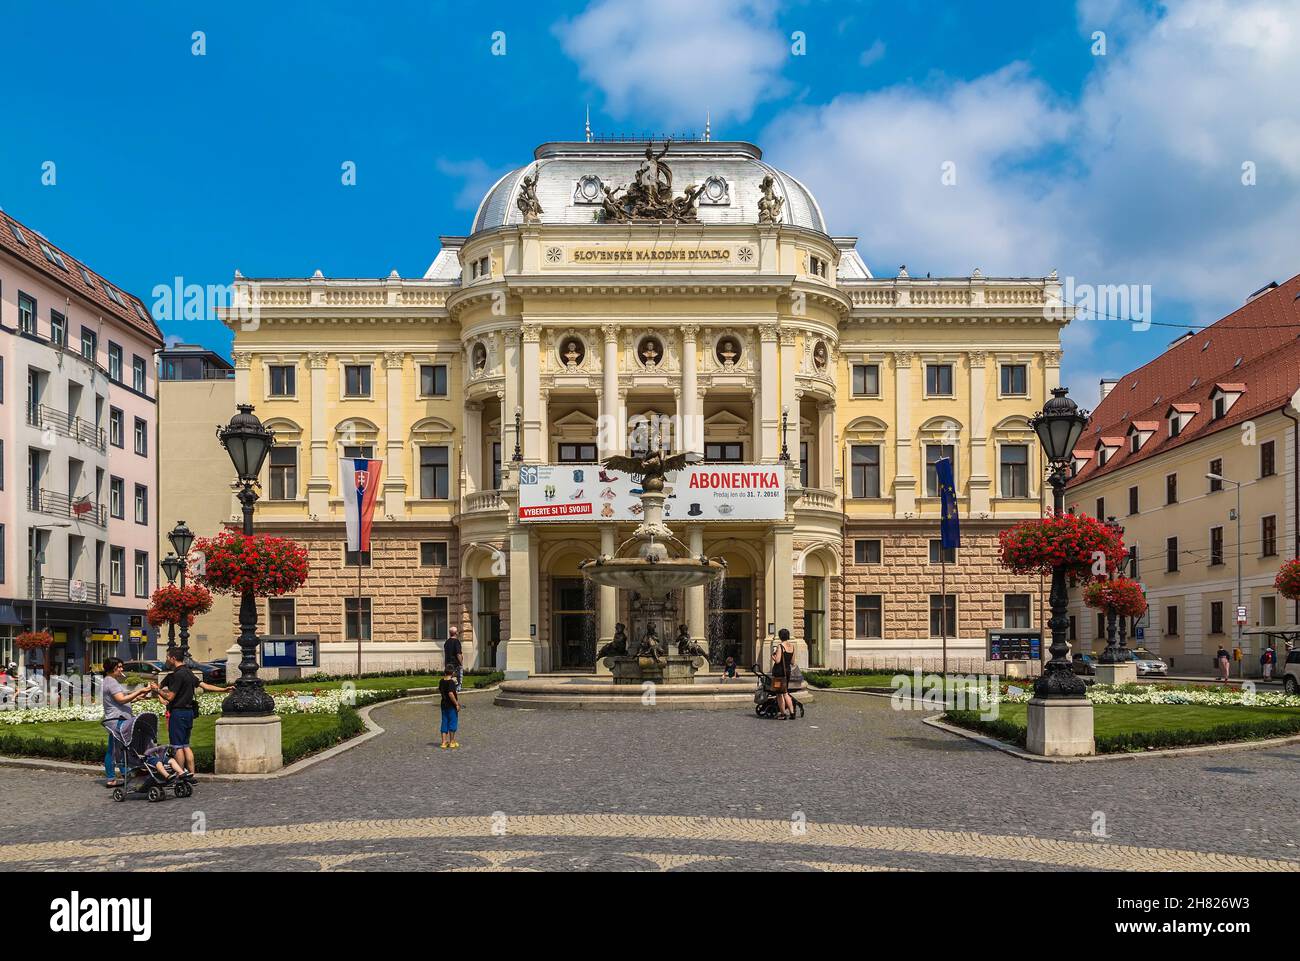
(874, 679)
(1135, 727)
(403, 682)
(302, 734)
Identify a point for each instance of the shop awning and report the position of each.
(9, 617)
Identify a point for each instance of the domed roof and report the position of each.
(571, 178)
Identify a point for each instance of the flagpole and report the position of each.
(943, 604)
(358, 611)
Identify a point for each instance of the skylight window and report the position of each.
(114, 296)
(85, 275)
(1238, 363)
(140, 310)
(18, 234)
(53, 256)
(1205, 346)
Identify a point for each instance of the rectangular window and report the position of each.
(356, 618)
(1015, 380)
(433, 618)
(1216, 467)
(434, 473)
(358, 451)
(433, 553)
(1268, 536)
(943, 618)
(864, 466)
(284, 380)
(803, 463)
(433, 380)
(117, 571)
(1132, 500)
(350, 558)
(1171, 620)
(1220, 407)
(1101, 627)
(114, 363)
(58, 329)
(1074, 629)
(866, 551)
(496, 465)
(284, 473)
(141, 574)
(141, 504)
(115, 427)
(1267, 459)
(724, 453)
(1216, 617)
(356, 380)
(940, 554)
(933, 454)
(1268, 611)
(866, 380)
(938, 380)
(141, 437)
(138, 374)
(576, 453)
(1175, 425)
(1133, 561)
(1101, 509)
(280, 615)
(1216, 546)
(1015, 470)
(1171, 555)
(1171, 488)
(26, 314)
(89, 343)
(1017, 611)
(867, 619)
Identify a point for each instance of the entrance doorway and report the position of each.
(814, 619)
(573, 623)
(488, 628)
(731, 621)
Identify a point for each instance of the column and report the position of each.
(396, 428)
(977, 470)
(544, 430)
(530, 369)
(318, 481)
(520, 659)
(783, 588)
(826, 445)
(904, 479)
(608, 598)
(609, 431)
(510, 400)
(691, 423)
(472, 453)
(695, 599)
(789, 400)
(769, 393)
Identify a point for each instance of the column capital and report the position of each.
(531, 333)
(317, 360)
(242, 359)
(393, 359)
(786, 337)
(690, 332)
(510, 338)
(978, 358)
(610, 332)
(902, 358)
(767, 333)
(1052, 358)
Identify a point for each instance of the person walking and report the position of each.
(177, 692)
(453, 656)
(1223, 661)
(1266, 661)
(450, 707)
(117, 702)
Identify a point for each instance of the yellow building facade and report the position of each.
(559, 328)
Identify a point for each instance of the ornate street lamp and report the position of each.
(247, 442)
(171, 565)
(1058, 426)
(785, 423)
(1112, 654)
(182, 539)
(518, 455)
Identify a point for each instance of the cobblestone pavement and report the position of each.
(853, 786)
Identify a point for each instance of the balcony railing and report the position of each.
(482, 501)
(70, 591)
(66, 425)
(812, 498)
(61, 505)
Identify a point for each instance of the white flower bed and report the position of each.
(326, 702)
(1106, 694)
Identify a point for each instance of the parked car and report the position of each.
(1148, 663)
(1291, 673)
(1084, 663)
(214, 672)
(150, 669)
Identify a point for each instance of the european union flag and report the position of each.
(949, 525)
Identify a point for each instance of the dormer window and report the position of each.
(1175, 424)
(1223, 397)
(1134, 442)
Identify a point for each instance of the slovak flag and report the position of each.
(359, 482)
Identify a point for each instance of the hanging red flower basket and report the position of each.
(1083, 545)
(170, 603)
(232, 563)
(1288, 580)
(1123, 595)
(34, 640)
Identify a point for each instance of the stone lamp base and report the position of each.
(248, 745)
(1060, 727)
(1125, 672)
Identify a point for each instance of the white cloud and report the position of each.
(476, 179)
(873, 54)
(673, 59)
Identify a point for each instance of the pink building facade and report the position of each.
(78, 457)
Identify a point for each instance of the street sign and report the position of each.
(1241, 615)
(1013, 644)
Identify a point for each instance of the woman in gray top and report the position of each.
(117, 710)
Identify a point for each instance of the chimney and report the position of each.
(1106, 387)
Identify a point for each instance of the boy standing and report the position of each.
(450, 707)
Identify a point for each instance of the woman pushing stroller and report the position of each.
(117, 712)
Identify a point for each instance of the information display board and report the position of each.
(291, 650)
(1013, 644)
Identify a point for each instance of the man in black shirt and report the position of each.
(453, 657)
(177, 691)
(450, 708)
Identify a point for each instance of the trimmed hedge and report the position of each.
(1256, 728)
(350, 725)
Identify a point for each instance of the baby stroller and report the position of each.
(139, 739)
(767, 701)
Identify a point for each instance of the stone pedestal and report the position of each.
(1060, 727)
(666, 669)
(519, 660)
(1125, 672)
(248, 745)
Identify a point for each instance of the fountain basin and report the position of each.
(665, 669)
(653, 577)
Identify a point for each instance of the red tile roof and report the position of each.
(30, 254)
(1264, 334)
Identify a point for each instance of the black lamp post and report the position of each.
(1111, 655)
(171, 565)
(247, 442)
(182, 539)
(518, 455)
(1058, 426)
(785, 423)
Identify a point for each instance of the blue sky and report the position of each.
(1120, 169)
